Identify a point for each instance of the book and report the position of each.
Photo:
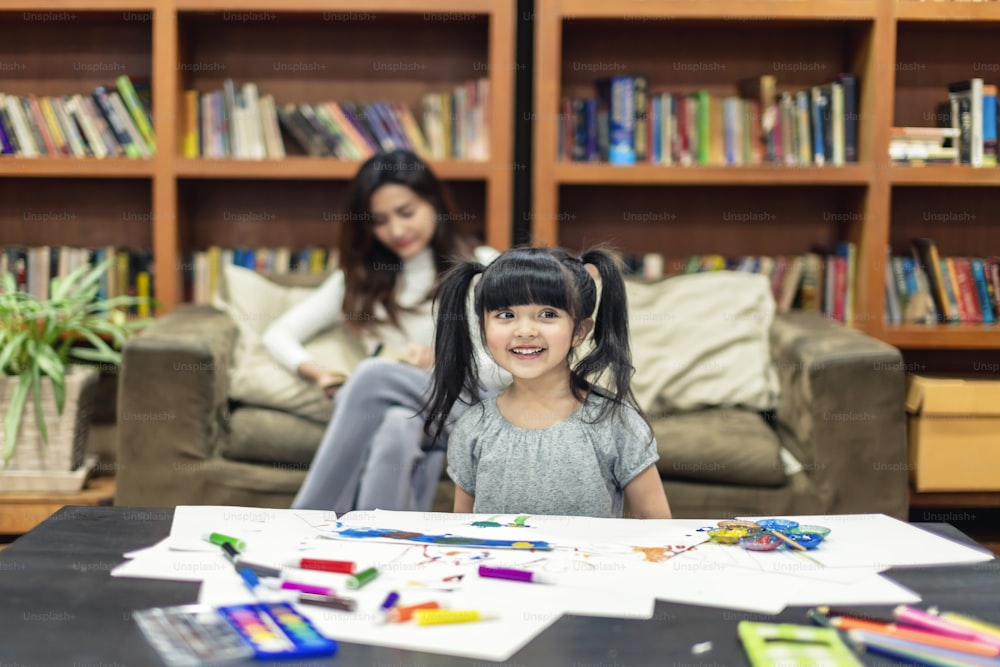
(989, 125)
(967, 115)
(982, 290)
(132, 102)
(763, 90)
(621, 120)
(849, 84)
(925, 254)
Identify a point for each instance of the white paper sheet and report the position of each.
(493, 640)
(878, 542)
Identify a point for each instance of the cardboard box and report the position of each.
(954, 433)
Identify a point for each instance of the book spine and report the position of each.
(621, 131)
(849, 83)
(817, 126)
(640, 119)
(965, 286)
(131, 100)
(926, 255)
(982, 290)
(989, 126)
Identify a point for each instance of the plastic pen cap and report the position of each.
(362, 578)
(220, 539)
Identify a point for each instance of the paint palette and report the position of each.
(276, 630)
(191, 635)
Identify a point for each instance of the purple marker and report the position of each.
(307, 588)
(526, 576)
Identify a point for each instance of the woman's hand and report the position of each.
(419, 355)
(329, 382)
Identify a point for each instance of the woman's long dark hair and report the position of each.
(521, 276)
(361, 253)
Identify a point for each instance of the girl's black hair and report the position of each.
(521, 276)
(361, 253)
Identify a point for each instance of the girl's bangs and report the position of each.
(519, 281)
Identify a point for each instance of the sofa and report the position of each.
(755, 412)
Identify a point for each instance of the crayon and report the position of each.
(402, 614)
(919, 636)
(440, 616)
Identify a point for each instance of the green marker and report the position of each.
(220, 539)
(362, 578)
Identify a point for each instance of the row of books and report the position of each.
(240, 122)
(819, 281)
(624, 124)
(926, 288)
(966, 131)
(201, 275)
(109, 121)
(34, 267)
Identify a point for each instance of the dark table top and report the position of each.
(60, 607)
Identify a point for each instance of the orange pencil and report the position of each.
(401, 614)
(918, 636)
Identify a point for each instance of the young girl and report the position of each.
(552, 442)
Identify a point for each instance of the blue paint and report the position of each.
(448, 540)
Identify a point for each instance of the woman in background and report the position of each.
(395, 243)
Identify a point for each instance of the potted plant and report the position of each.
(44, 395)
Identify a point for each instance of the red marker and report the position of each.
(324, 565)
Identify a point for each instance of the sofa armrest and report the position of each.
(172, 405)
(842, 400)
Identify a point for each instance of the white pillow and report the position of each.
(702, 340)
(256, 378)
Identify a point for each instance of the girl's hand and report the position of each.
(329, 382)
(419, 355)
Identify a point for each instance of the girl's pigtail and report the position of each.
(455, 369)
(611, 344)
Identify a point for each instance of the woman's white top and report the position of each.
(324, 308)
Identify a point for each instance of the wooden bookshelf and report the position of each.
(68, 46)
(904, 54)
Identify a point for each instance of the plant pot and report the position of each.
(60, 464)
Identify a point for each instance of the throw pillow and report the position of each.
(254, 301)
(702, 340)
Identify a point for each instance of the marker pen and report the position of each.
(440, 616)
(921, 619)
(343, 604)
(231, 552)
(323, 565)
(362, 578)
(220, 539)
(250, 579)
(390, 601)
(514, 575)
(258, 569)
(298, 586)
(402, 614)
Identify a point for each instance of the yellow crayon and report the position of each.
(438, 616)
(971, 623)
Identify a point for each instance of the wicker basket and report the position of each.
(67, 433)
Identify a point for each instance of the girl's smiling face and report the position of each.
(532, 342)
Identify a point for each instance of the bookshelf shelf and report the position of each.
(732, 10)
(578, 173)
(910, 10)
(75, 168)
(373, 7)
(306, 168)
(943, 175)
(943, 336)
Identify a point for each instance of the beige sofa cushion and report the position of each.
(254, 301)
(273, 437)
(702, 340)
(725, 445)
